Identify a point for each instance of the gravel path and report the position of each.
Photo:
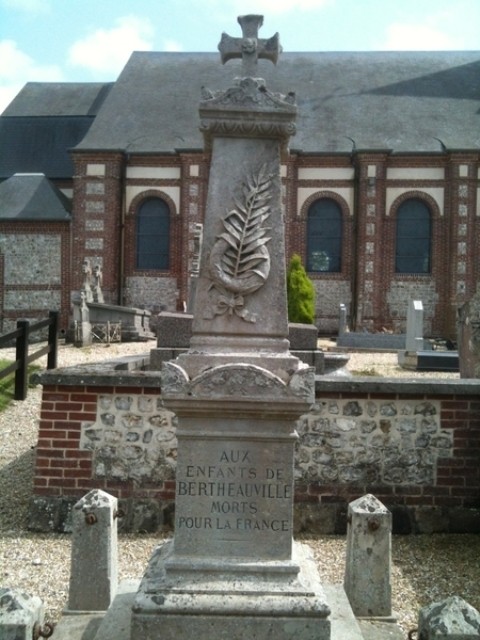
(425, 568)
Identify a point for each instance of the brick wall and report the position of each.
(369, 187)
(417, 449)
(418, 454)
(98, 220)
(67, 467)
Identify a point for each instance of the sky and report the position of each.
(91, 40)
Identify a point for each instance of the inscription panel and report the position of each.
(234, 499)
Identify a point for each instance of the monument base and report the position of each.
(186, 603)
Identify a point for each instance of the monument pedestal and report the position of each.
(232, 569)
(261, 601)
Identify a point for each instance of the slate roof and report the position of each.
(32, 197)
(43, 122)
(398, 101)
(58, 99)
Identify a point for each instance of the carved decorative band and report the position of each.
(249, 129)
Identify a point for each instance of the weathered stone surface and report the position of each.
(368, 564)
(133, 438)
(94, 572)
(245, 603)
(371, 340)
(238, 380)
(19, 614)
(162, 292)
(450, 619)
(174, 330)
(371, 441)
(468, 328)
(302, 336)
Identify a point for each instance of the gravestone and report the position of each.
(342, 321)
(408, 359)
(232, 569)
(414, 340)
(81, 322)
(468, 329)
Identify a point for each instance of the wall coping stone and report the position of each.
(130, 371)
(414, 386)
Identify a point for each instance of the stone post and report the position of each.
(20, 615)
(451, 619)
(94, 574)
(367, 572)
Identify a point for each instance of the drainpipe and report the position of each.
(121, 254)
(356, 189)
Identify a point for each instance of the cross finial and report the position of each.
(250, 47)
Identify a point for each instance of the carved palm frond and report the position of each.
(243, 228)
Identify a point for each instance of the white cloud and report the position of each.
(107, 50)
(29, 6)
(416, 37)
(271, 7)
(171, 45)
(17, 68)
(263, 7)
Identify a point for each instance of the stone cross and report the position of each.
(249, 47)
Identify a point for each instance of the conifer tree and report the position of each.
(300, 293)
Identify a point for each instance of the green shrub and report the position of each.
(300, 293)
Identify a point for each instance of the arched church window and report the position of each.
(324, 236)
(413, 237)
(153, 235)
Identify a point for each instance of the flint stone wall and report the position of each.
(414, 445)
(138, 289)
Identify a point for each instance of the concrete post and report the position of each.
(451, 619)
(94, 571)
(367, 572)
(20, 615)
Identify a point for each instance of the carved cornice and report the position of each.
(247, 109)
(236, 379)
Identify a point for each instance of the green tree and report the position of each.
(300, 293)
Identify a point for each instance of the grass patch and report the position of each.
(7, 384)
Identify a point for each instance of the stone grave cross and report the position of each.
(249, 47)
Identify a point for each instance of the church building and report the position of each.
(381, 185)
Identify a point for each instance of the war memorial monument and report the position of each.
(232, 569)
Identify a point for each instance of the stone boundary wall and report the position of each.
(414, 445)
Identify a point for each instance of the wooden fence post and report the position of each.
(21, 376)
(53, 340)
